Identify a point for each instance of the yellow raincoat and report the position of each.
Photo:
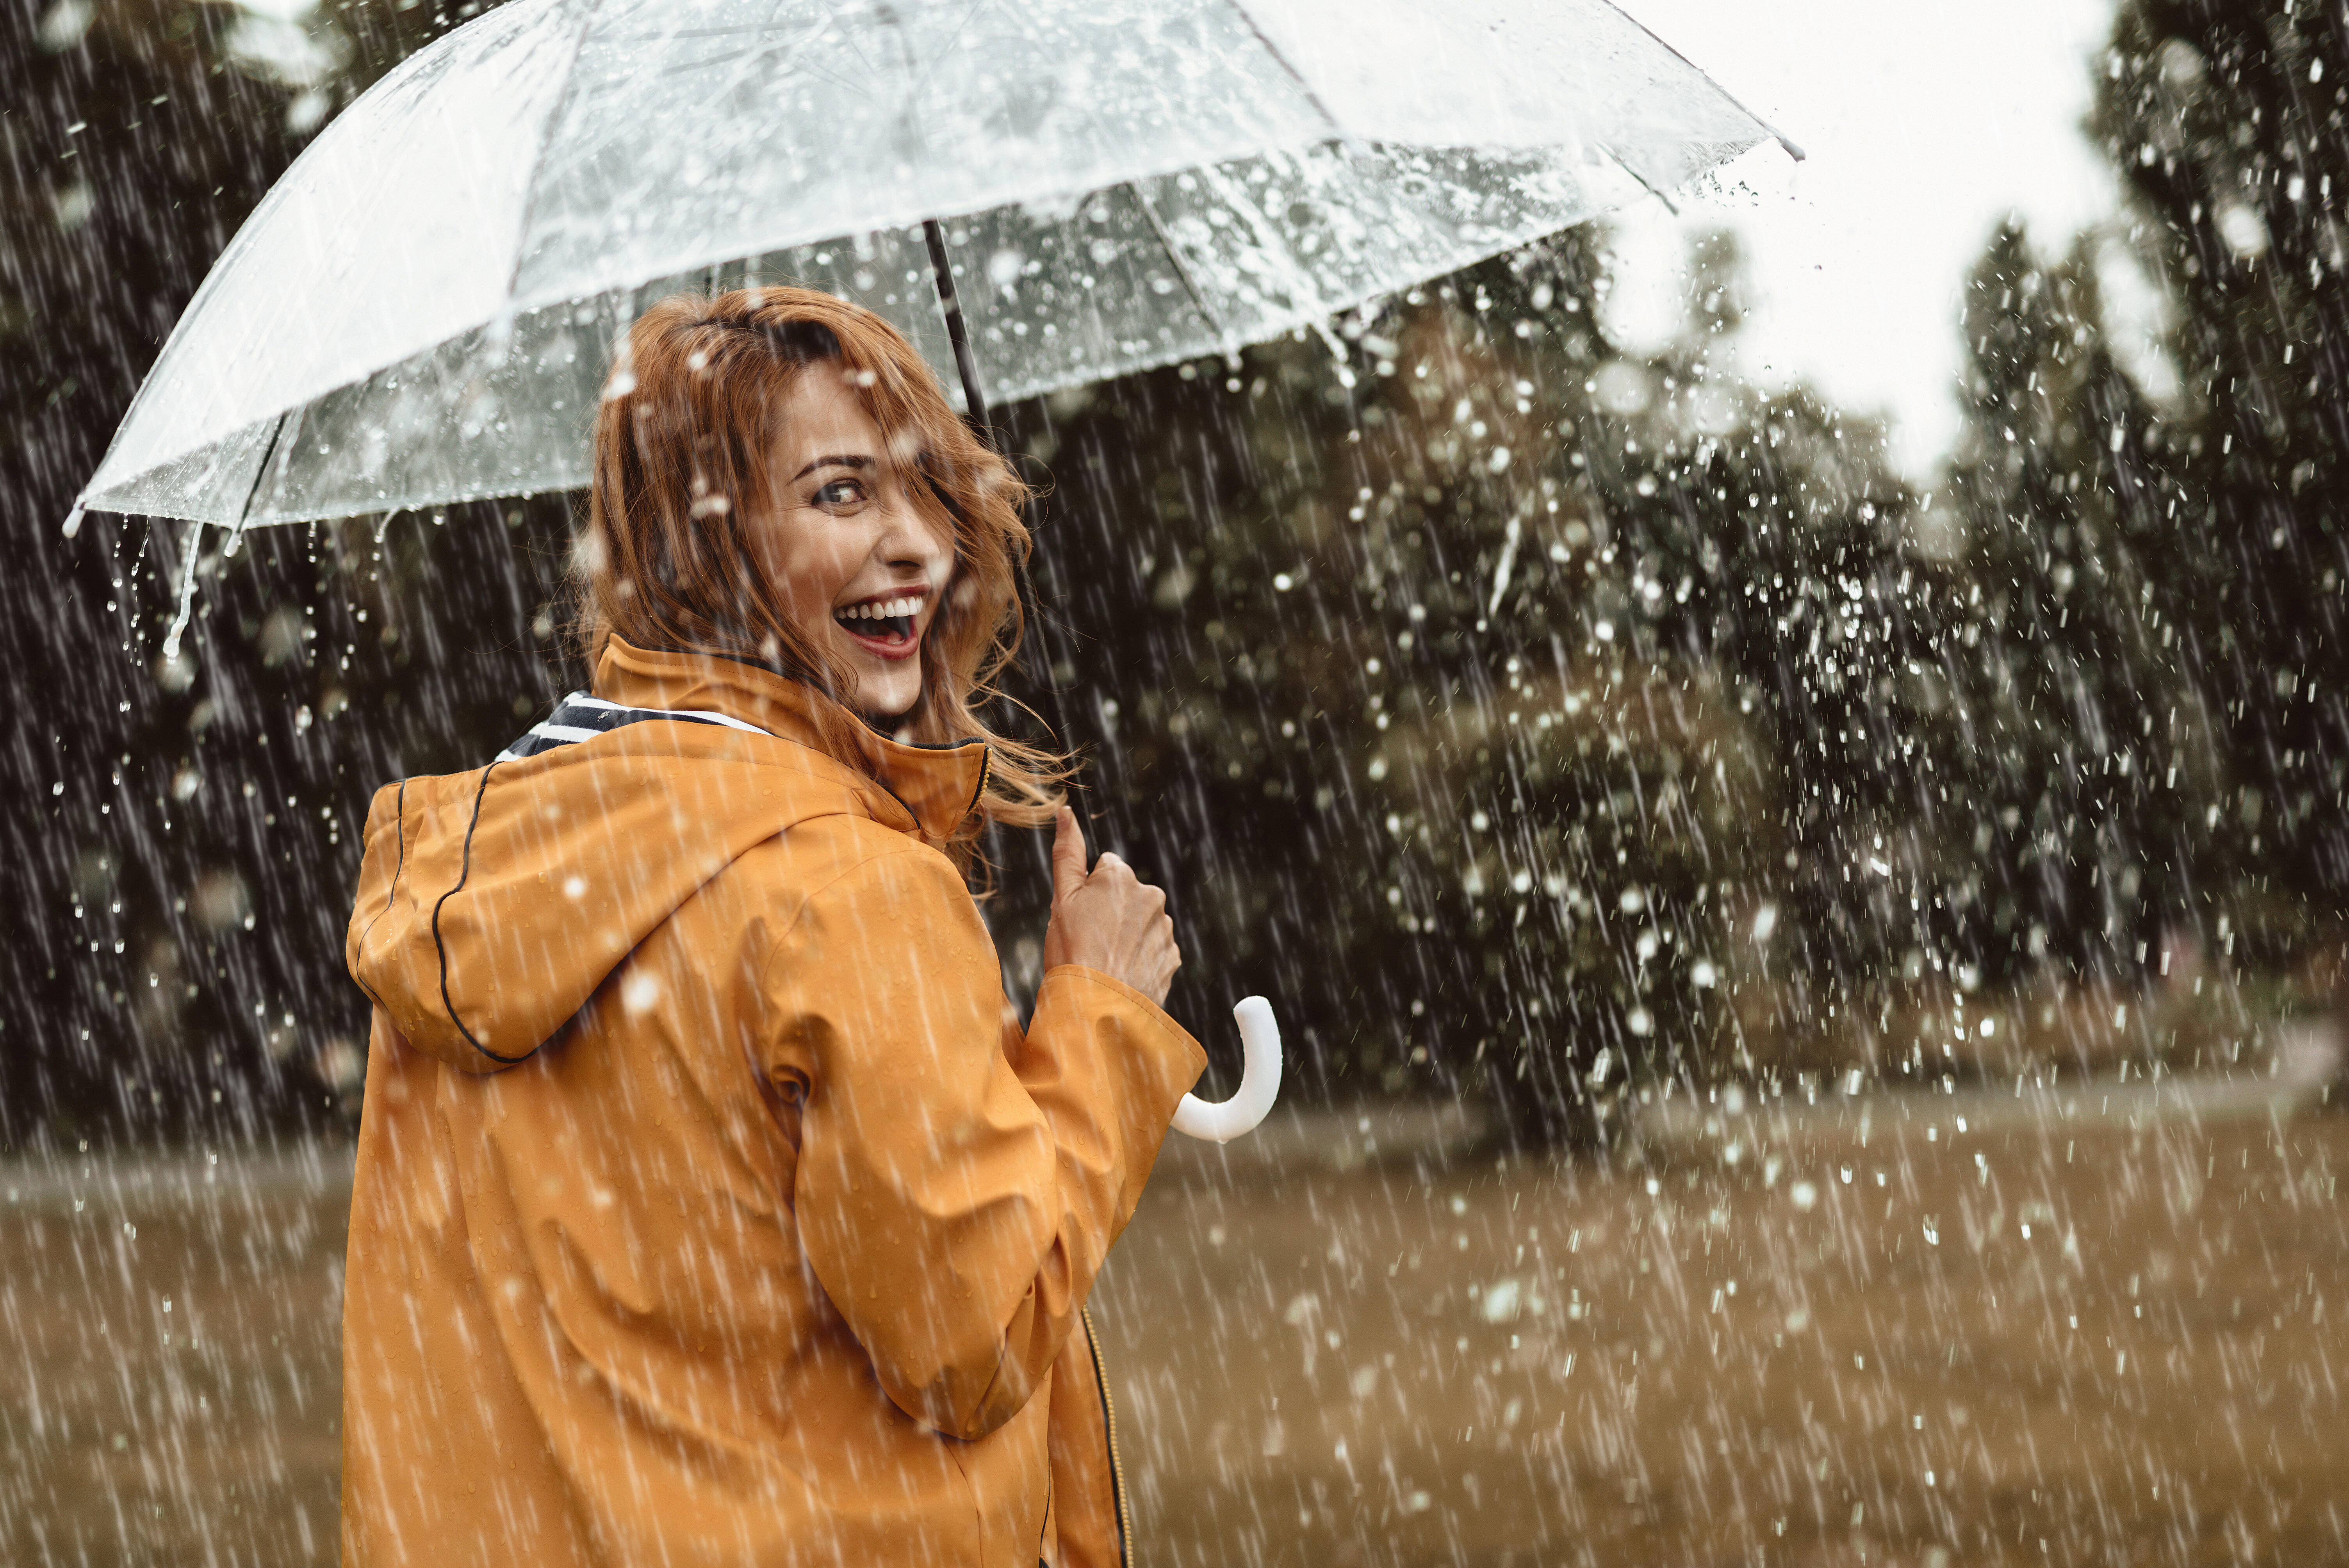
(711, 1207)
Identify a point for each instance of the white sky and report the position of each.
(1925, 121)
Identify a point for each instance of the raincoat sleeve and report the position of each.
(954, 1197)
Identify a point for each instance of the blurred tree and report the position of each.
(2053, 572)
(2138, 569)
(1521, 715)
(2229, 123)
(2131, 582)
(181, 865)
(1533, 715)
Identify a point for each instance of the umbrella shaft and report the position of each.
(966, 364)
(957, 331)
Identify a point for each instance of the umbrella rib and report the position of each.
(195, 540)
(1166, 241)
(545, 145)
(855, 49)
(753, 29)
(953, 38)
(1644, 183)
(1298, 77)
(796, 69)
(1796, 153)
(794, 32)
(277, 434)
(1149, 211)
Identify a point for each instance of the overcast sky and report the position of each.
(1925, 120)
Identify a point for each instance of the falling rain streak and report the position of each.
(1812, 992)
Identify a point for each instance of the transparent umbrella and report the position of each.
(422, 310)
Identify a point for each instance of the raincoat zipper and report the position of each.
(1116, 1466)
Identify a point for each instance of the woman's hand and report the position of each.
(1108, 919)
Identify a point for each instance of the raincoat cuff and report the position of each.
(1174, 1034)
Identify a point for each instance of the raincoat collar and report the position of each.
(936, 787)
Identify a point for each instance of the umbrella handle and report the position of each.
(1259, 1081)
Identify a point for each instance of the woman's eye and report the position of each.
(840, 492)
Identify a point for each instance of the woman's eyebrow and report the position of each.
(836, 460)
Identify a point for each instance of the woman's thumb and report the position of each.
(1067, 855)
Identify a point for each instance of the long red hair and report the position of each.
(683, 444)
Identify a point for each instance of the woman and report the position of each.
(711, 1206)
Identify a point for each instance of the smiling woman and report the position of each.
(777, 479)
(711, 1204)
(862, 555)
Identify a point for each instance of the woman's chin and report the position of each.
(885, 696)
(887, 680)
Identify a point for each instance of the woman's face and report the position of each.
(862, 548)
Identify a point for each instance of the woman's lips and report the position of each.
(887, 626)
(883, 645)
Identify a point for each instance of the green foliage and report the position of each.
(1486, 706)
(2230, 123)
(186, 839)
(1531, 715)
(2143, 594)
(2070, 705)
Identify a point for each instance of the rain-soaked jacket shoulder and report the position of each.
(711, 1206)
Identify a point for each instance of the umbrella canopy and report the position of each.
(422, 310)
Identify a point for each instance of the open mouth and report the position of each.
(885, 626)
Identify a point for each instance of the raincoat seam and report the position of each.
(903, 848)
(809, 762)
(464, 872)
(911, 815)
(1002, 1354)
(1045, 1531)
(398, 864)
(1155, 1012)
(860, 775)
(893, 852)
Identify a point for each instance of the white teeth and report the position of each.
(886, 609)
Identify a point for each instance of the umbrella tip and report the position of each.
(1793, 151)
(73, 522)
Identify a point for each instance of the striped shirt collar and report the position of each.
(582, 717)
(936, 788)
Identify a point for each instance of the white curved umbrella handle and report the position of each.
(1259, 1081)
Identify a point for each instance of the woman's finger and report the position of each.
(1068, 856)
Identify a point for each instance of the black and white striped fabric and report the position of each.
(580, 716)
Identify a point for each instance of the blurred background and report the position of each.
(1786, 739)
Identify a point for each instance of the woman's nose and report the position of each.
(909, 538)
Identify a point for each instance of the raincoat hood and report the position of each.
(493, 905)
(776, 1246)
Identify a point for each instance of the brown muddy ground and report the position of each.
(170, 1370)
(2061, 1333)
(2092, 1329)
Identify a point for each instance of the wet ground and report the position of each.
(169, 1369)
(2053, 1325)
